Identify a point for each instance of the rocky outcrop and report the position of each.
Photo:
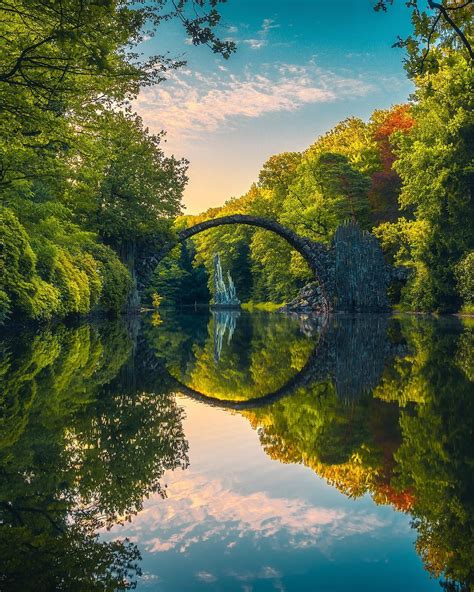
(360, 273)
(358, 277)
(310, 299)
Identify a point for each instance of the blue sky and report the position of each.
(301, 66)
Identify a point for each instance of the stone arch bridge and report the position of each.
(351, 272)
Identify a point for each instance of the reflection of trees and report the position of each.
(270, 360)
(77, 452)
(436, 457)
(409, 443)
(264, 353)
(87, 429)
(333, 437)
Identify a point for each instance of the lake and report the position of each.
(238, 451)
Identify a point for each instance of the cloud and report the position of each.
(262, 35)
(205, 576)
(198, 510)
(190, 104)
(256, 43)
(267, 25)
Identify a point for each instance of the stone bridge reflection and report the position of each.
(350, 351)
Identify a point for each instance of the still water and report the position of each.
(238, 452)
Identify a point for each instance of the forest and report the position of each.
(88, 196)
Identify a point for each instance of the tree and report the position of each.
(465, 279)
(351, 138)
(68, 72)
(385, 182)
(343, 187)
(178, 281)
(48, 46)
(279, 170)
(66, 62)
(447, 24)
(434, 163)
(129, 190)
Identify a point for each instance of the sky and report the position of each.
(301, 66)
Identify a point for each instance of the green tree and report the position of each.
(434, 161)
(446, 25)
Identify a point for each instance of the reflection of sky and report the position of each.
(237, 520)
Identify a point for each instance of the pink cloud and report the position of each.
(190, 104)
(193, 501)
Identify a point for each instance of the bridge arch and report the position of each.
(351, 272)
(315, 254)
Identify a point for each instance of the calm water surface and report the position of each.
(237, 451)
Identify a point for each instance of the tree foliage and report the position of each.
(78, 170)
(438, 26)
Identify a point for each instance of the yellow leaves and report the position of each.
(156, 300)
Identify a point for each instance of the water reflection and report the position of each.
(265, 352)
(89, 424)
(224, 323)
(351, 351)
(79, 450)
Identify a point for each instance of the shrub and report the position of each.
(465, 278)
(57, 279)
(37, 299)
(116, 279)
(72, 284)
(90, 267)
(17, 259)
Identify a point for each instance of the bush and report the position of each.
(25, 290)
(90, 267)
(17, 259)
(37, 299)
(116, 279)
(72, 284)
(465, 279)
(57, 280)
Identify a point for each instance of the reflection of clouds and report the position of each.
(265, 573)
(198, 510)
(205, 576)
(147, 578)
